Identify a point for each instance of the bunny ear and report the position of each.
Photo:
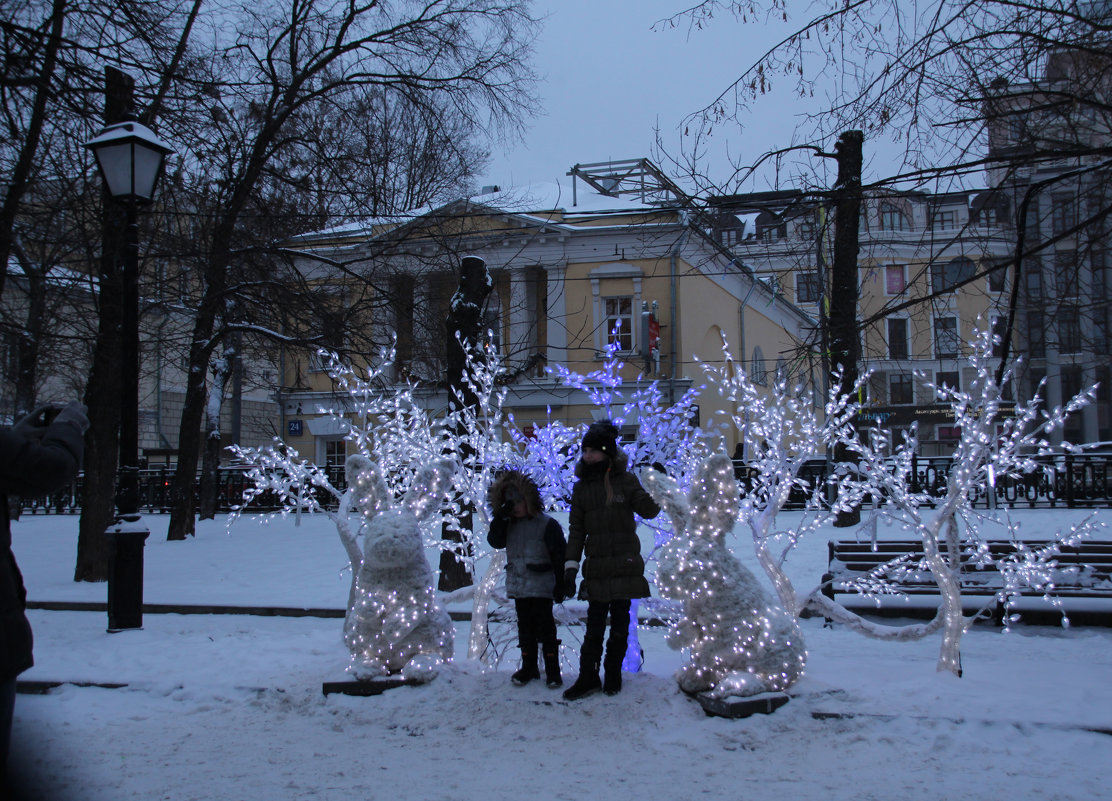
(714, 492)
(365, 479)
(428, 488)
(666, 492)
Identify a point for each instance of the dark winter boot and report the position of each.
(588, 681)
(528, 670)
(612, 681)
(552, 676)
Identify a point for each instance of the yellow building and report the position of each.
(570, 266)
(927, 280)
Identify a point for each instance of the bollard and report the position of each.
(126, 540)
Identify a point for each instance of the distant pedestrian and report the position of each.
(602, 531)
(534, 544)
(40, 454)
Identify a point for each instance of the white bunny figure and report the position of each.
(394, 623)
(739, 642)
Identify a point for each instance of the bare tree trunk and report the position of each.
(182, 510)
(30, 342)
(464, 330)
(844, 346)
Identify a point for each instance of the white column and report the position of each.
(556, 317)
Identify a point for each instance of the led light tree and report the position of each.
(785, 433)
(993, 446)
(737, 642)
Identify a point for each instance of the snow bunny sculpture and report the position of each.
(739, 643)
(394, 623)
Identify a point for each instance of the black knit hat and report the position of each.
(602, 436)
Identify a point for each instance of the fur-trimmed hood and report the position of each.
(522, 484)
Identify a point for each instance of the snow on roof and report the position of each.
(556, 195)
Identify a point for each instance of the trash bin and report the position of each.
(126, 539)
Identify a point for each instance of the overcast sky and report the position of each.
(608, 79)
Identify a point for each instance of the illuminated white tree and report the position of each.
(737, 642)
(784, 431)
(993, 447)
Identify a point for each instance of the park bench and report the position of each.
(1083, 571)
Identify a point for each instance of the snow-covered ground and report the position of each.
(231, 706)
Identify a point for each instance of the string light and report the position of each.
(737, 642)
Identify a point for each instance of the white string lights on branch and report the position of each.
(395, 624)
(738, 642)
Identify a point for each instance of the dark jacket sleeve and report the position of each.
(639, 498)
(32, 467)
(577, 533)
(499, 527)
(554, 541)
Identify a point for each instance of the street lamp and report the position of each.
(130, 157)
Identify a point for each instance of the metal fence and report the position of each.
(1070, 481)
(154, 493)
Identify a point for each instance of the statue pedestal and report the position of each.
(368, 687)
(734, 707)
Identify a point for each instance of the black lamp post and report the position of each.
(130, 158)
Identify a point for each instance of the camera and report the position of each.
(49, 414)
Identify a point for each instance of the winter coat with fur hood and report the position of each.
(602, 529)
(534, 544)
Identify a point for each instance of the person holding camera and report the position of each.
(602, 529)
(534, 544)
(40, 454)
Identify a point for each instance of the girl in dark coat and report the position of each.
(36, 458)
(534, 544)
(602, 528)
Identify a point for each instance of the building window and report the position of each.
(729, 237)
(1100, 331)
(941, 220)
(895, 279)
(1069, 329)
(618, 313)
(900, 388)
(948, 378)
(805, 229)
(335, 454)
(948, 433)
(807, 287)
(760, 372)
(1065, 273)
(1032, 280)
(946, 277)
(946, 341)
(891, 218)
(897, 338)
(997, 275)
(1063, 213)
(1036, 335)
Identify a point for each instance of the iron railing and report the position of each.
(1067, 480)
(1070, 481)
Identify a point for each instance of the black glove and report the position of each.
(558, 594)
(658, 467)
(33, 425)
(569, 582)
(506, 510)
(73, 413)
